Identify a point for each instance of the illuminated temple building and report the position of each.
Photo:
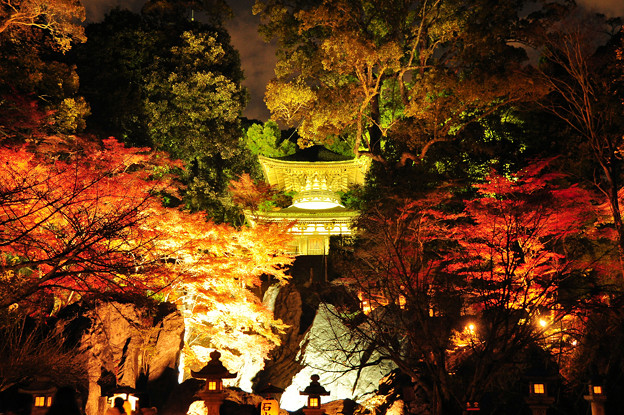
(315, 175)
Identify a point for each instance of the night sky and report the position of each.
(258, 57)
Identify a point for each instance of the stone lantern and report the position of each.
(314, 391)
(128, 394)
(538, 399)
(597, 399)
(42, 390)
(214, 372)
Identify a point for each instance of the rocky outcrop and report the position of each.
(125, 344)
(323, 353)
(282, 363)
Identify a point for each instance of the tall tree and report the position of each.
(163, 80)
(95, 222)
(400, 76)
(580, 69)
(93, 225)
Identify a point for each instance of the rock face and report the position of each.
(127, 345)
(314, 347)
(322, 353)
(282, 363)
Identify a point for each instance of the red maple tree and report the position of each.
(518, 253)
(447, 291)
(92, 221)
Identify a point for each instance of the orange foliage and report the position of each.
(73, 224)
(60, 18)
(94, 223)
(248, 194)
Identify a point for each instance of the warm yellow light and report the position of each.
(40, 401)
(313, 402)
(212, 385)
(316, 204)
(471, 327)
(543, 322)
(49, 402)
(133, 400)
(597, 390)
(574, 342)
(539, 389)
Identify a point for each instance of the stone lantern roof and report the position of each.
(314, 388)
(213, 369)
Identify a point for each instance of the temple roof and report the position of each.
(314, 153)
(314, 168)
(294, 212)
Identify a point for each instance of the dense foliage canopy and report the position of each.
(475, 262)
(162, 80)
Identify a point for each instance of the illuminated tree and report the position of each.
(93, 223)
(584, 69)
(161, 80)
(58, 18)
(30, 72)
(453, 298)
(267, 140)
(586, 93)
(519, 256)
(73, 225)
(393, 75)
(193, 101)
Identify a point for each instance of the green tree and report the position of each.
(193, 104)
(163, 80)
(395, 76)
(266, 140)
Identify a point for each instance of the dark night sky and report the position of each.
(258, 57)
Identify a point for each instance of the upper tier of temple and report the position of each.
(316, 175)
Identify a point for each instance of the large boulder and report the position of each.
(322, 352)
(126, 345)
(282, 363)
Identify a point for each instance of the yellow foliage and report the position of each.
(289, 100)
